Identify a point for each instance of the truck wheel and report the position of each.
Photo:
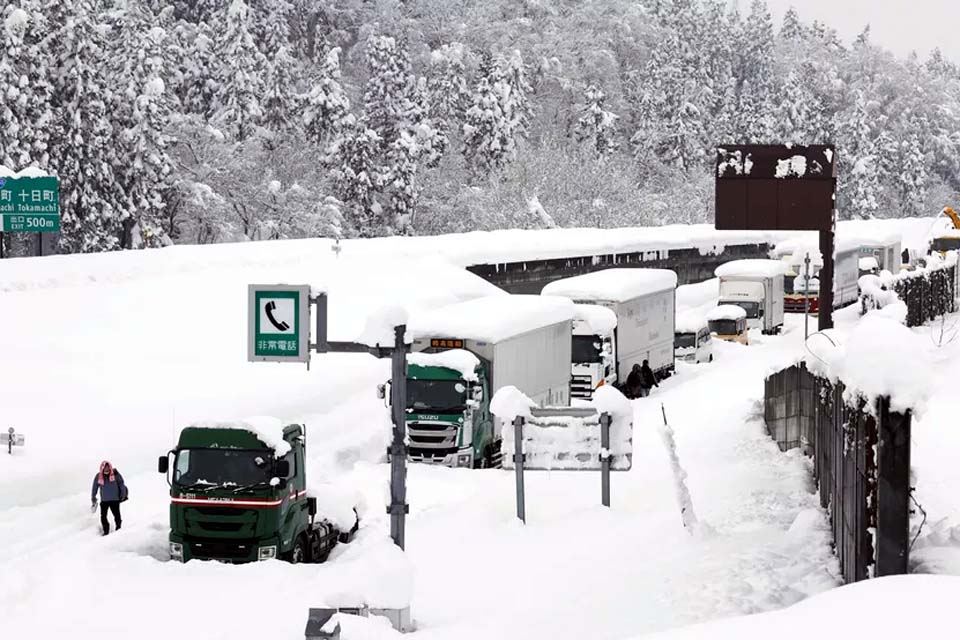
(299, 552)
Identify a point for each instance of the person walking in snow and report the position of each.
(109, 483)
(634, 387)
(648, 379)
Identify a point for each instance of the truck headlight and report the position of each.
(176, 551)
(463, 460)
(267, 553)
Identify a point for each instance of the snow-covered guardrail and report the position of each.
(928, 291)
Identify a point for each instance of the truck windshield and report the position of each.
(436, 395)
(683, 340)
(586, 349)
(752, 308)
(724, 327)
(222, 467)
(789, 281)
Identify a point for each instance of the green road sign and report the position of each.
(278, 323)
(30, 204)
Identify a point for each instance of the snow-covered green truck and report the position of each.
(238, 494)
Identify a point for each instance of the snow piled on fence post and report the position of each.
(607, 399)
(507, 404)
(880, 357)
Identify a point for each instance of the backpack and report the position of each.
(124, 492)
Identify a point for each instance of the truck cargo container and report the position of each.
(644, 302)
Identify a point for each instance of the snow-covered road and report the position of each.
(575, 570)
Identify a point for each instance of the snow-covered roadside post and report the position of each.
(512, 406)
(605, 420)
(518, 464)
(12, 439)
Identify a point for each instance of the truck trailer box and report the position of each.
(644, 302)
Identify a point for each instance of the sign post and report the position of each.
(781, 188)
(29, 204)
(278, 330)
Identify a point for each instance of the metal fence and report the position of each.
(861, 454)
(928, 293)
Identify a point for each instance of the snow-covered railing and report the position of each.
(928, 291)
(860, 447)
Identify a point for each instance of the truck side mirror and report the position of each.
(283, 469)
(163, 463)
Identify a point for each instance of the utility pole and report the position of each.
(398, 507)
(825, 315)
(806, 297)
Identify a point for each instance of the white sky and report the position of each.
(899, 25)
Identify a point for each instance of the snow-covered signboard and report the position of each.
(29, 203)
(775, 187)
(278, 323)
(569, 439)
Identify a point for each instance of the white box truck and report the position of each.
(757, 287)
(644, 302)
(846, 274)
(462, 354)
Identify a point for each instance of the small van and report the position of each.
(729, 322)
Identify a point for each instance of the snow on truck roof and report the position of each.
(459, 360)
(692, 320)
(492, 318)
(615, 285)
(751, 269)
(726, 312)
(600, 319)
(268, 430)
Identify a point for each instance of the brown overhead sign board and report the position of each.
(775, 187)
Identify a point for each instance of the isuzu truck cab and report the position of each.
(238, 494)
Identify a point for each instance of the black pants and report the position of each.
(113, 506)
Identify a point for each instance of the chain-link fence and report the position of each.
(861, 453)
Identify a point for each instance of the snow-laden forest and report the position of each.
(200, 121)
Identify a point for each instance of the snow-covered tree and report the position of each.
(327, 103)
(791, 28)
(357, 177)
(238, 107)
(199, 86)
(489, 134)
(282, 102)
(597, 126)
(447, 86)
(82, 150)
(516, 101)
(26, 110)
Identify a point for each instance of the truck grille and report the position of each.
(432, 435)
(220, 549)
(581, 387)
(234, 522)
